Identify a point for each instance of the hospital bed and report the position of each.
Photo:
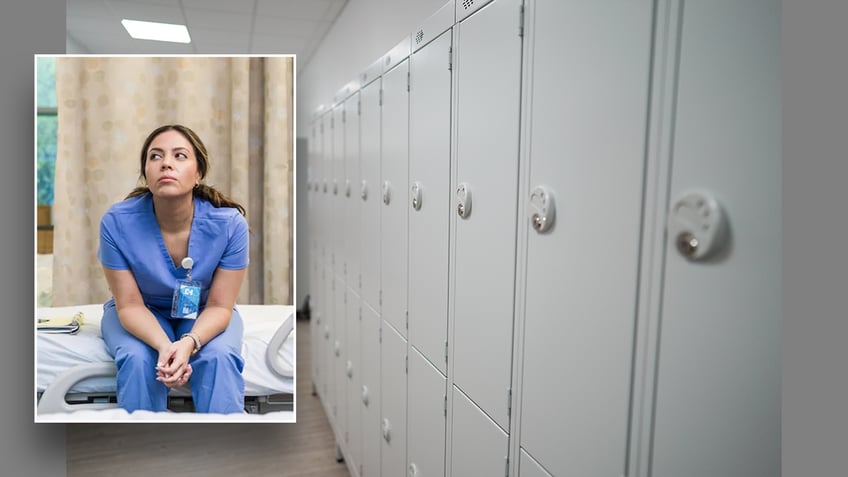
(75, 375)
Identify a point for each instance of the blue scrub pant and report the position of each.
(216, 381)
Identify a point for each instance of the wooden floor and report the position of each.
(303, 449)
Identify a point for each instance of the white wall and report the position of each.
(365, 30)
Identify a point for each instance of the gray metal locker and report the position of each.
(328, 228)
(429, 188)
(718, 373)
(369, 188)
(393, 363)
(394, 168)
(426, 418)
(479, 444)
(339, 258)
(528, 467)
(349, 192)
(339, 396)
(371, 436)
(487, 65)
(353, 369)
(329, 303)
(588, 75)
(312, 219)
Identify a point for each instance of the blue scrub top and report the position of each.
(130, 239)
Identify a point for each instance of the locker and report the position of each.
(429, 211)
(340, 358)
(339, 258)
(393, 213)
(718, 377)
(315, 334)
(353, 369)
(529, 467)
(349, 191)
(328, 382)
(328, 227)
(479, 444)
(487, 68)
(426, 414)
(582, 267)
(369, 193)
(370, 392)
(393, 362)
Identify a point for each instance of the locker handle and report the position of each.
(463, 199)
(416, 195)
(335, 187)
(337, 348)
(365, 395)
(413, 470)
(387, 430)
(347, 187)
(541, 209)
(364, 190)
(349, 369)
(698, 225)
(386, 193)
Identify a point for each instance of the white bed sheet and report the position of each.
(118, 415)
(58, 352)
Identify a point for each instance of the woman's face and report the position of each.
(171, 167)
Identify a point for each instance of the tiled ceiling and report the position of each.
(215, 26)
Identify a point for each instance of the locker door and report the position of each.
(315, 323)
(487, 66)
(313, 219)
(429, 171)
(393, 216)
(393, 401)
(426, 418)
(353, 369)
(340, 358)
(349, 191)
(369, 193)
(718, 391)
(337, 197)
(328, 226)
(589, 75)
(479, 444)
(370, 393)
(529, 467)
(329, 358)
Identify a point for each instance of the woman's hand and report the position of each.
(173, 369)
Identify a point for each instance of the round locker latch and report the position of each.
(326, 332)
(363, 191)
(541, 209)
(463, 200)
(365, 394)
(325, 186)
(413, 470)
(387, 428)
(416, 195)
(337, 348)
(347, 187)
(335, 187)
(349, 369)
(697, 225)
(386, 194)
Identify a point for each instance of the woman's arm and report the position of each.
(134, 316)
(223, 291)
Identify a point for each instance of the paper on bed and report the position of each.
(61, 324)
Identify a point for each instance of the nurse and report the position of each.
(175, 254)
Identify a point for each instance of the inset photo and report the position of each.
(165, 239)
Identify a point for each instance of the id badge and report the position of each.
(186, 299)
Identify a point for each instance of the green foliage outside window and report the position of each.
(46, 128)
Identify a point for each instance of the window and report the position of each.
(46, 128)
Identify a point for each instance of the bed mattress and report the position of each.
(56, 353)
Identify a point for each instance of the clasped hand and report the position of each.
(173, 369)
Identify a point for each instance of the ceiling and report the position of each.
(215, 26)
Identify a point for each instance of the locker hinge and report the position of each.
(446, 351)
(509, 402)
(381, 96)
(446, 405)
(344, 268)
(507, 466)
(521, 20)
(407, 81)
(407, 320)
(380, 339)
(450, 58)
(359, 107)
(381, 298)
(406, 365)
(360, 313)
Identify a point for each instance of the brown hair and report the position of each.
(202, 191)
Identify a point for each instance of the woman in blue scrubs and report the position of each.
(175, 254)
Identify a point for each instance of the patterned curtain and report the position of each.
(243, 110)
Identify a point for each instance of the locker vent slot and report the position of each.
(419, 36)
(466, 4)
